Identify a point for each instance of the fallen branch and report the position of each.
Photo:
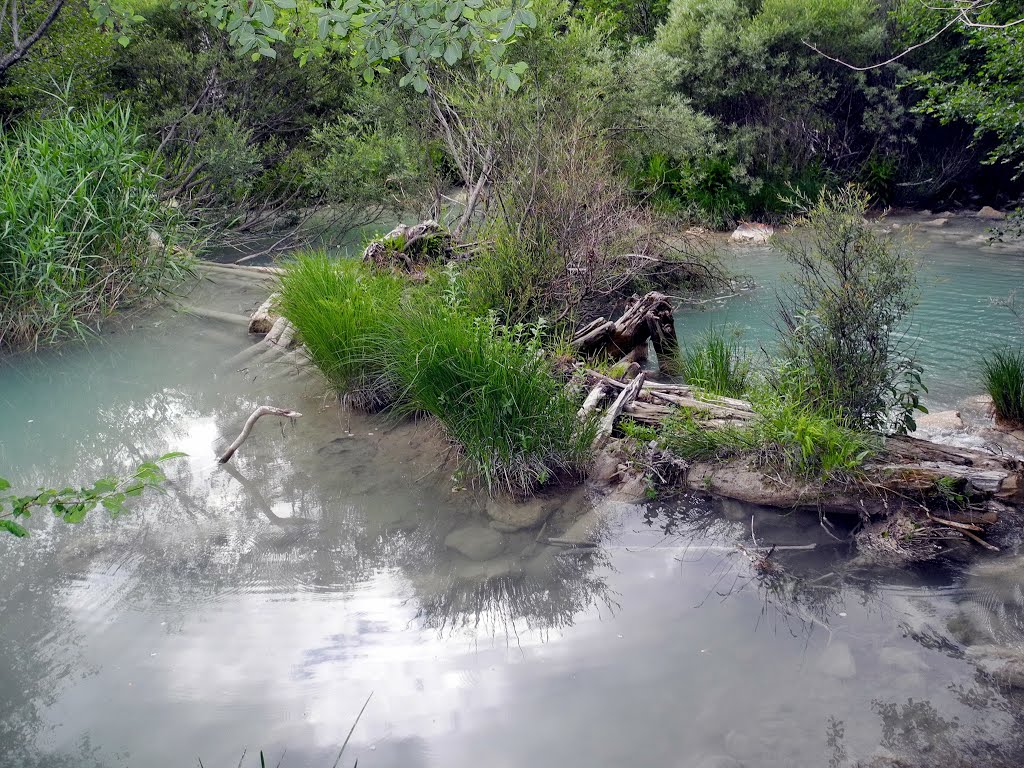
(626, 396)
(263, 410)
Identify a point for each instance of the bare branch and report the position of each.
(22, 48)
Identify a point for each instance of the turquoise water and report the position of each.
(954, 325)
(260, 604)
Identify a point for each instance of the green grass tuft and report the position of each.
(716, 363)
(493, 389)
(342, 312)
(1003, 375)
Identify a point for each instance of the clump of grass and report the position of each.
(342, 313)
(78, 204)
(493, 389)
(1003, 375)
(790, 437)
(716, 363)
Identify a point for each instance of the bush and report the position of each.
(842, 318)
(493, 389)
(1003, 374)
(716, 363)
(78, 203)
(342, 312)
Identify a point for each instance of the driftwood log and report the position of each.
(648, 318)
(263, 410)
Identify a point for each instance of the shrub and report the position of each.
(1003, 374)
(494, 391)
(716, 363)
(78, 204)
(842, 317)
(342, 311)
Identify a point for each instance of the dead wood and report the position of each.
(263, 410)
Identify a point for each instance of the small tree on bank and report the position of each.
(843, 316)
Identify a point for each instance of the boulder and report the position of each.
(752, 233)
(837, 661)
(508, 515)
(950, 420)
(476, 542)
(988, 212)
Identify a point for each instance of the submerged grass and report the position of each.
(716, 363)
(343, 313)
(1003, 375)
(78, 203)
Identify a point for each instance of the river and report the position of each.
(260, 605)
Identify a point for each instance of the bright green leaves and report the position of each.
(73, 504)
(420, 33)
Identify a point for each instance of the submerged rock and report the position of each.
(476, 542)
(903, 659)
(941, 420)
(752, 233)
(939, 222)
(837, 661)
(988, 212)
(509, 516)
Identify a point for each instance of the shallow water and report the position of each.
(259, 605)
(953, 326)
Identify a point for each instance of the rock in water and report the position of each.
(476, 542)
(752, 233)
(510, 516)
(949, 420)
(837, 661)
(988, 212)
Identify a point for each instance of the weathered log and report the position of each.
(265, 316)
(593, 400)
(263, 410)
(409, 248)
(645, 317)
(626, 396)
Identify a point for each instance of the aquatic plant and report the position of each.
(72, 504)
(494, 390)
(1003, 375)
(78, 212)
(716, 363)
(341, 311)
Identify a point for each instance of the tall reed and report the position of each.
(79, 211)
(716, 363)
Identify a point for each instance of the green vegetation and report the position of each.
(71, 505)
(786, 436)
(716, 363)
(1003, 376)
(843, 317)
(491, 386)
(494, 390)
(83, 229)
(343, 313)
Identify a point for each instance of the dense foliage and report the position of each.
(82, 229)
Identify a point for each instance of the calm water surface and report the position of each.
(259, 605)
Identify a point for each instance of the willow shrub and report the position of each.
(343, 312)
(78, 204)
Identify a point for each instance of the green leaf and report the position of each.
(13, 528)
(286, 5)
(124, 41)
(512, 81)
(453, 11)
(4, 484)
(368, 75)
(453, 52)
